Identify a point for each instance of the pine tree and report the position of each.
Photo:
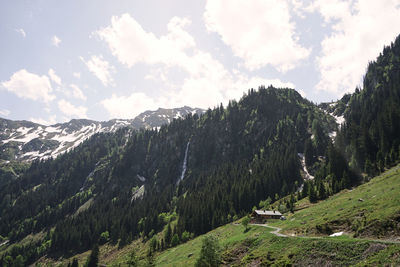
(75, 263)
(168, 235)
(93, 260)
(209, 254)
(311, 193)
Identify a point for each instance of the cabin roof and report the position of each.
(268, 212)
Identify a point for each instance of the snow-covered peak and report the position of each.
(24, 140)
(156, 118)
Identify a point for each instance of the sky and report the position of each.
(101, 59)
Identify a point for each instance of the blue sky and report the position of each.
(115, 59)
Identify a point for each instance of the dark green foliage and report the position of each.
(133, 260)
(93, 260)
(150, 260)
(168, 235)
(74, 263)
(238, 156)
(175, 240)
(370, 134)
(209, 254)
(153, 243)
(309, 153)
(245, 223)
(311, 193)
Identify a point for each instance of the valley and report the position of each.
(158, 189)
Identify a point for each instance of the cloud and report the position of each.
(260, 33)
(128, 107)
(72, 111)
(21, 31)
(205, 82)
(77, 92)
(56, 79)
(50, 121)
(131, 44)
(30, 86)
(4, 112)
(360, 30)
(77, 75)
(207, 87)
(101, 69)
(55, 41)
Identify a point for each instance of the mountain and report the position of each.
(197, 173)
(122, 183)
(26, 141)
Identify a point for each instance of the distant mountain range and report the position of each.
(26, 141)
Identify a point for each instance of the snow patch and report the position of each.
(51, 129)
(178, 115)
(337, 234)
(339, 119)
(24, 136)
(332, 135)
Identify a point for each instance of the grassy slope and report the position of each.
(259, 247)
(381, 203)
(370, 210)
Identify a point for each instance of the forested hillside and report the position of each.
(202, 171)
(236, 156)
(368, 140)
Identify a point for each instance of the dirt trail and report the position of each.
(276, 229)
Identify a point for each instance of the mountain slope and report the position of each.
(26, 141)
(304, 246)
(203, 171)
(370, 210)
(375, 216)
(120, 183)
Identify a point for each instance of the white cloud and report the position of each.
(72, 111)
(55, 41)
(131, 44)
(205, 81)
(207, 87)
(30, 86)
(50, 121)
(21, 31)
(77, 92)
(360, 30)
(4, 112)
(129, 107)
(260, 33)
(101, 68)
(77, 75)
(53, 76)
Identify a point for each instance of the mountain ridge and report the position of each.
(24, 140)
(122, 186)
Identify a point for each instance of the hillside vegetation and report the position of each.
(307, 243)
(166, 186)
(369, 210)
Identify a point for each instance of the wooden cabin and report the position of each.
(263, 215)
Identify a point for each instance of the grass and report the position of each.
(369, 210)
(229, 236)
(259, 247)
